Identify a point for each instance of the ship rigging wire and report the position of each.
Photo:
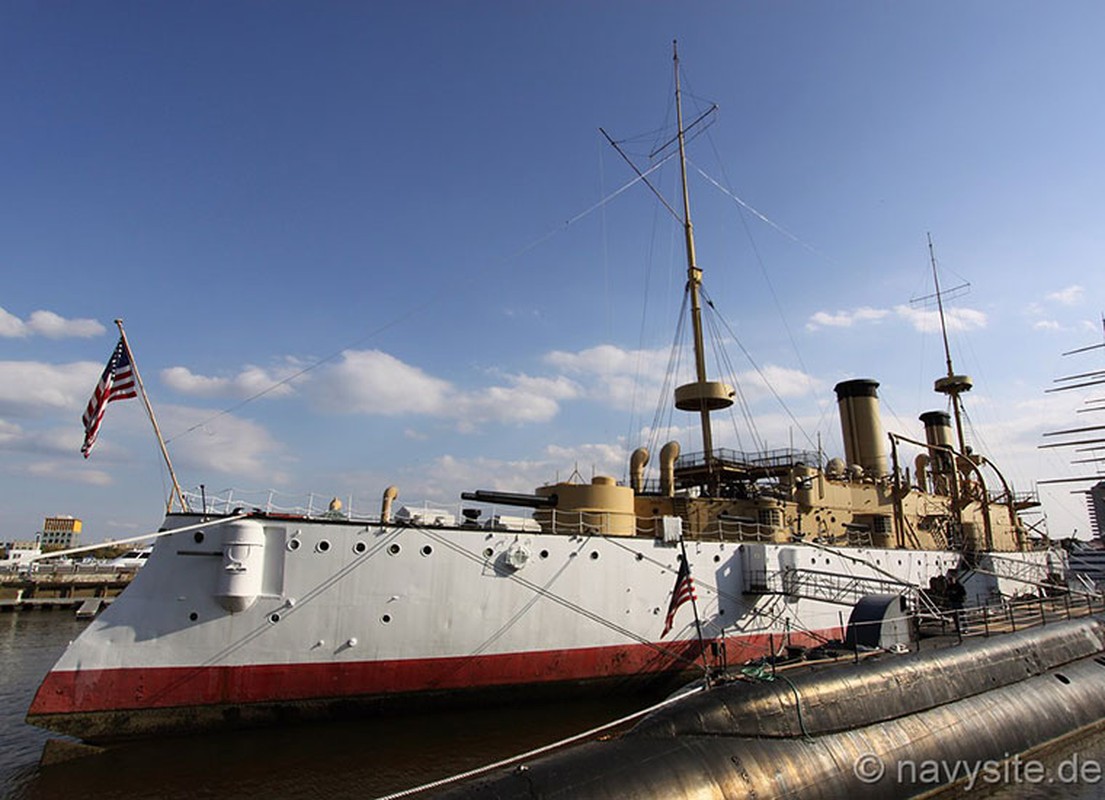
(444, 293)
(710, 303)
(568, 604)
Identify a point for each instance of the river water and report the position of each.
(361, 759)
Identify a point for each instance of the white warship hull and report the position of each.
(243, 621)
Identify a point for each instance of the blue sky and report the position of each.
(404, 201)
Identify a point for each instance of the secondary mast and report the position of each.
(703, 395)
(951, 384)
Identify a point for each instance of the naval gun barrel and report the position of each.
(511, 499)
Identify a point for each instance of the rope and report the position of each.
(143, 538)
(761, 674)
(798, 708)
(543, 749)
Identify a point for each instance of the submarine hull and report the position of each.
(912, 725)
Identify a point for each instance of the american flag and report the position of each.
(117, 383)
(683, 591)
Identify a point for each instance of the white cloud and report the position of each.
(53, 326)
(11, 326)
(1046, 325)
(374, 382)
(250, 381)
(448, 476)
(928, 321)
(377, 383)
(607, 358)
(32, 388)
(48, 324)
(597, 459)
(10, 434)
(612, 375)
(64, 441)
(526, 399)
(624, 378)
(924, 320)
(224, 444)
(845, 319)
(52, 470)
(784, 381)
(1070, 296)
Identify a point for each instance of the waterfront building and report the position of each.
(60, 532)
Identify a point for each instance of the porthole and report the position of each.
(293, 544)
(193, 616)
(322, 546)
(717, 559)
(544, 554)
(1062, 678)
(393, 549)
(359, 547)
(640, 556)
(426, 550)
(1100, 661)
(594, 555)
(488, 552)
(198, 536)
(385, 619)
(274, 617)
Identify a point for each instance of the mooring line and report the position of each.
(540, 750)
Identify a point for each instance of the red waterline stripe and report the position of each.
(82, 691)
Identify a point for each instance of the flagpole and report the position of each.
(694, 608)
(153, 420)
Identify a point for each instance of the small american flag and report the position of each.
(683, 591)
(117, 383)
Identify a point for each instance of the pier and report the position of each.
(85, 588)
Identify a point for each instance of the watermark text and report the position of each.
(1010, 770)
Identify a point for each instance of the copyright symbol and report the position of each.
(869, 768)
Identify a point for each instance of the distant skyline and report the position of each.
(357, 245)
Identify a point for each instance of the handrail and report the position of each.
(1013, 614)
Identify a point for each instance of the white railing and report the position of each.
(491, 517)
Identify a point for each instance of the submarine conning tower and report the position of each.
(861, 426)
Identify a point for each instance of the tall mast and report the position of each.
(702, 395)
(952, 385)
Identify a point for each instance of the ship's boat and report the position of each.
(245, 615)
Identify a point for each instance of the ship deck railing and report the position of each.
(48, 568)
(782, 458)
(829, 587)
(1020, 500)
(1012, 614)
(585, 523)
